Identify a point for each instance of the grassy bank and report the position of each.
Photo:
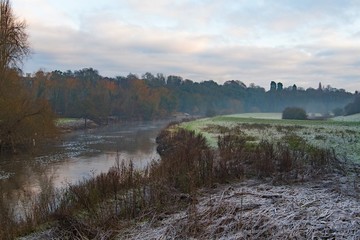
(342, 136)
(70, 124)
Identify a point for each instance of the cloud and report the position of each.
(302, 42)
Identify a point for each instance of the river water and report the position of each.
(78, 155)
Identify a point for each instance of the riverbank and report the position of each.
(325, 208)
(252, 209)
(72, 124)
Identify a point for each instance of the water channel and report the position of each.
(78, 155)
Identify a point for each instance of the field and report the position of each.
(342, 134)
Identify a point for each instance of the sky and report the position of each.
(255, 41)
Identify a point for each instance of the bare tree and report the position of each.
(23, 117)
(14, 44)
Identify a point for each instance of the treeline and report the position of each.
(353, 107)
(85, 93)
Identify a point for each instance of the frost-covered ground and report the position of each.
(326, 208)
(257, 210)
(350, 118)
(258, 115)
(69, 124)
(340, 135)
(5, 175)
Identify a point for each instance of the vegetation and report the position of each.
(354, 107)
(23, 117)
(338, 112)
(294, 113)
(343, 136)
(104, 204)
(85, 93)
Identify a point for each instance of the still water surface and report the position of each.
(78, 155)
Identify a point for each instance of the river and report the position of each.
(78, 155)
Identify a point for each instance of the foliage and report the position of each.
(338, 112)
(23, 118)
(85, 93)
(354, 107)
(341, 134)
(294, 113)
(187, 160)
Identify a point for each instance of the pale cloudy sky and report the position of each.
(256, 41)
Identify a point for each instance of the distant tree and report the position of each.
(272, 86)
(279, 86)
(294, 87)
(320, 87)
(14, 46)
(174, 81)
(236, 83)
(132, 76)
(88, 74)
(210, 112)
(151, 97)
(294, 113)
(354, 107)
(338, 111)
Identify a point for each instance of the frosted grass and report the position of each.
(351, 118)
(341, 135)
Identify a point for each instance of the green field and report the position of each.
(61, 121)
(341, 134)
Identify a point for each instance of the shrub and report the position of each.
(294, 113)
(186, 160)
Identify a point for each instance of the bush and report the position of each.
(294, 113)
(186, 160)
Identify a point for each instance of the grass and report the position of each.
(343, 136)
(66, 120)
(351, 118)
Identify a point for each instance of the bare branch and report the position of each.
(14, 46)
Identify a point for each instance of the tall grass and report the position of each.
(289, 159)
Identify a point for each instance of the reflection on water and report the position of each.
(78, 155)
